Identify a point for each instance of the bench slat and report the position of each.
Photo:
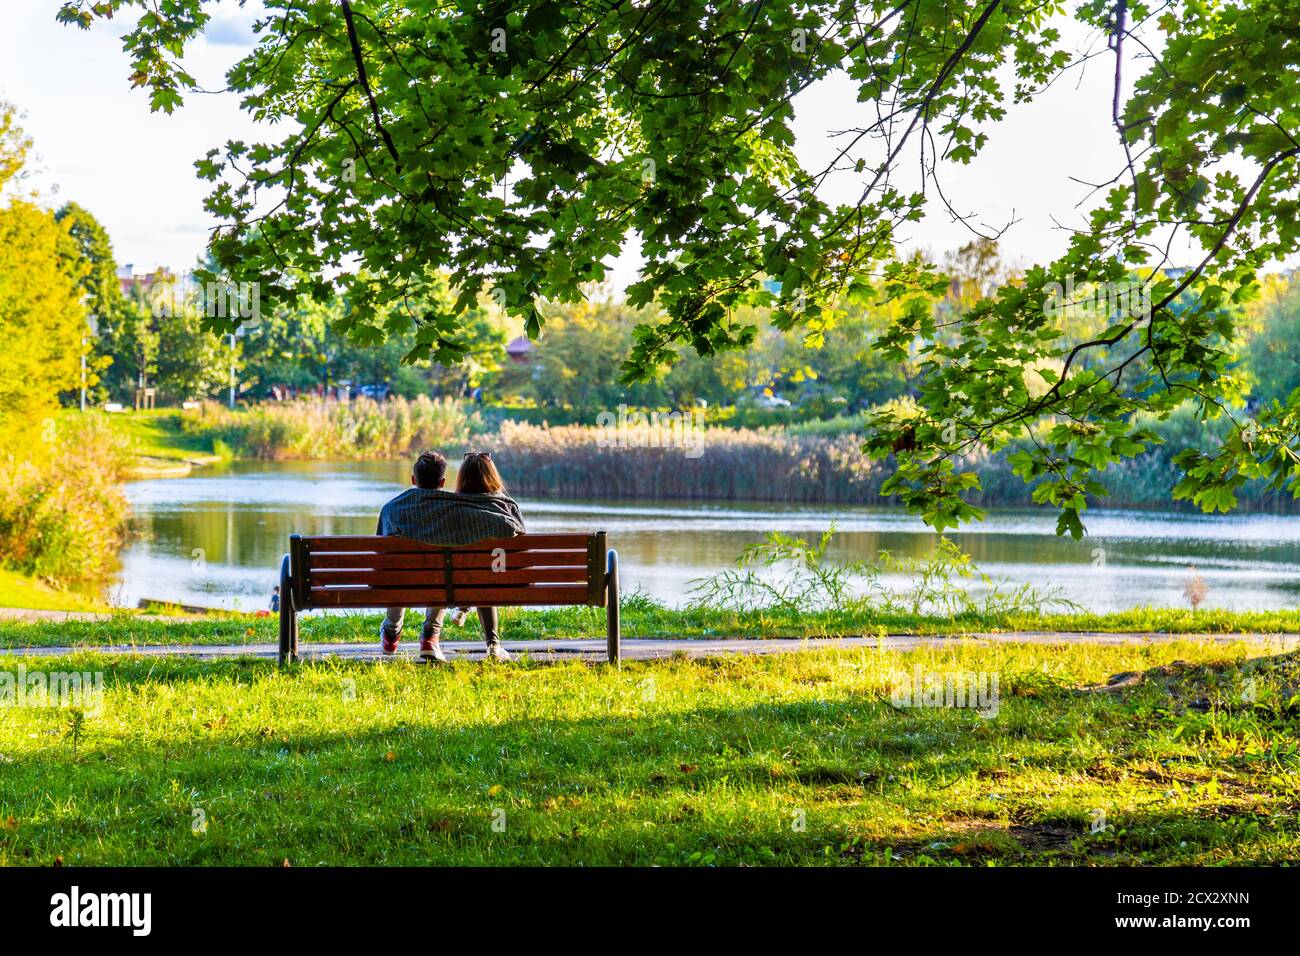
(436, 597)
(515, 560)
(435, 577)
(371, 544)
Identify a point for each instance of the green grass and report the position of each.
(641, 618)
(19, 590)
(156, 437)
(790, 759)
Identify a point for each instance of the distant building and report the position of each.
(521, 350)
(132, 280)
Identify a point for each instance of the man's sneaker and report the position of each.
(430, 649)
(458, 616)
(495, 652)
(388, 638)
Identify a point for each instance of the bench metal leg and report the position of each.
(613, 631)
(288, 617)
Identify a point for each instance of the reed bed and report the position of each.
(712, 464)
(316, 430)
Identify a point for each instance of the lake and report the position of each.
(216, 539)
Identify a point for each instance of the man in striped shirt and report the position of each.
(427, 513)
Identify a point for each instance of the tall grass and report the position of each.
(806, 464)
(308, 429)
(729, 465)
(62, 509)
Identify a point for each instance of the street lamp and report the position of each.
(240, 332)
(92, 325)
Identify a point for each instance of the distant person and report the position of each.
(428, 513)
(275, 600)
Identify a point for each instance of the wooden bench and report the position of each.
(356, 571)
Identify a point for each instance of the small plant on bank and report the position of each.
(75, 730)
(1195, 590)
(785, 573)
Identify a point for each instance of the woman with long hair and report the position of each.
(478, 475)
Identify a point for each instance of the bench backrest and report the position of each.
(371, 571)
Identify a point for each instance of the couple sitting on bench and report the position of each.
(479, 509)
(437, 549)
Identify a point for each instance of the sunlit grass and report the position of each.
(156, 434)
(19, 590)
(795, 759)
(641, 618)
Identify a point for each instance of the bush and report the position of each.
(62, 510)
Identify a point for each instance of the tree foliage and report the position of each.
(671, 120)
(42, 322)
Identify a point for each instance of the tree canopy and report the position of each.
(42, 320)
(517, 145)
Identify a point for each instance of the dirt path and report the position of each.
(654, 649)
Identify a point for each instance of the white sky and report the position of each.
(96, 143)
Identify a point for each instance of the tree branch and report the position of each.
(365, 82)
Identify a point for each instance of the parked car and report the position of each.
(377, 392)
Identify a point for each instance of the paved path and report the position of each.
(648, 649)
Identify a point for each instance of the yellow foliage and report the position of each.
(41, 317)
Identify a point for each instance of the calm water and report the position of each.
(216, 539)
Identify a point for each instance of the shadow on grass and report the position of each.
(233, 762)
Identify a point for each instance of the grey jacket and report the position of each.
(442, 517)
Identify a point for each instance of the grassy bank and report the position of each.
(641, 618)
(797, 759)
(18, 590)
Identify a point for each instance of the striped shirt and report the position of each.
(442, 517)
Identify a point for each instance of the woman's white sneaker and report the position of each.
(495, 652)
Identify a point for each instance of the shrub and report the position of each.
(62, 509)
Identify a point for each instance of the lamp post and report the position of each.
(92, 325)
(240, 332)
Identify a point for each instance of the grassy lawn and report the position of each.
(794, 759)
(156, 439)
(158, 434)
(641, 618)
(18, 590)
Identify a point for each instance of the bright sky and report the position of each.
(97, 143)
